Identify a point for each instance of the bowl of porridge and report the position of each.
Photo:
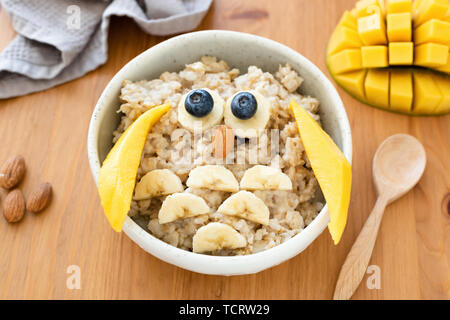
(224, 185)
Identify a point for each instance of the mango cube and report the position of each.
(372, 30)
(348, 20)
(416, 5)
(377, 87)
(374, 56)
(353, 82)
(401, 53)
(447, 16)
(401, 93)
(366, 8)
(427, 96)
(398, 6)
(343, 38)
(443, 83)
(446, 67)
(431, 55)
(430, 9)
(433, 31)
(399, 27)
(346, 60)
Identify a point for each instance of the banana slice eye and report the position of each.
(200, 109)
(247, 113)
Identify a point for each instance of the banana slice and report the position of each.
(265, 178)
(180, 206)
(215, 236)
(193, 123)
(246, 205)
(156, 183)
(213, 177)
(252, 127)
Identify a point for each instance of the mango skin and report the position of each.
(117, 176)
(331, 168)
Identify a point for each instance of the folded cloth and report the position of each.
(60, 40)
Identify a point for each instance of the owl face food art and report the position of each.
(224, 172)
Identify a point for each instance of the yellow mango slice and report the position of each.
(443, 83)
(401, 53)
(372, 30)
(399, 27)
(398, 6)
(431, 55)
(401, 92)
(331, 168)
(377, 87)
(344, 61)
(353, 82)
(433, 31)
(430, 9)
(427, 96)
(374, 56)
(117, 176)
(343, 38)
(348, 20)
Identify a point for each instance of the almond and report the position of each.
(12, 172)
(223, 141)
(39, 198)
(14, 206)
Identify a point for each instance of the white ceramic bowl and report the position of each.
(238, 50)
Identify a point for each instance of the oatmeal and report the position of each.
(258, 193)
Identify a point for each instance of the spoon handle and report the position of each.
(356, 263)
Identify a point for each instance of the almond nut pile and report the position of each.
(14, 205)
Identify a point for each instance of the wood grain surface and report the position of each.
(50, 129)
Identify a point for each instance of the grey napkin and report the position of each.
(60, 40)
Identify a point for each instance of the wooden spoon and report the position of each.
(398, 165)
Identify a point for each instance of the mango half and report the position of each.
(117, 176)
(331, 168)
(394, 55)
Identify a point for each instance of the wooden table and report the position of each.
(50, 129)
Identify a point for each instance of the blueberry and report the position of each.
(199, 103)
(244, 105)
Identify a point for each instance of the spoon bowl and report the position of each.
(398, 165)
